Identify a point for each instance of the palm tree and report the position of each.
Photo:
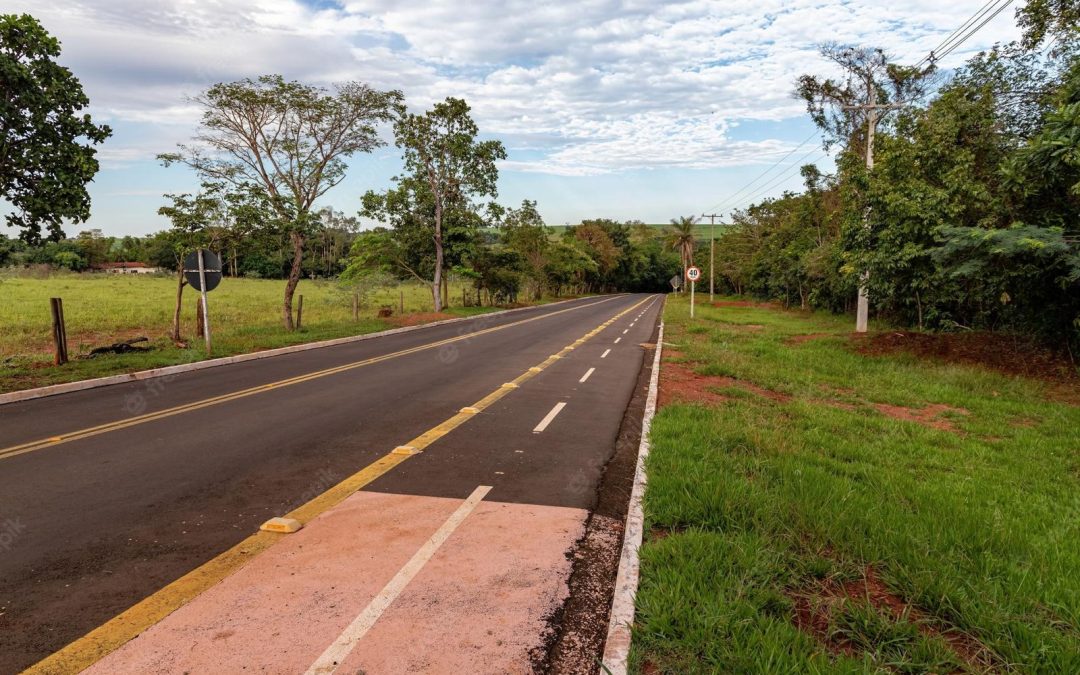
(680, 236)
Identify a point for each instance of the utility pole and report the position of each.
(871, 107)
(712, 248)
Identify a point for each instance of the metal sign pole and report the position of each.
(205, 307)
(692, 284)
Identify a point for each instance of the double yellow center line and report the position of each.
(51, 441)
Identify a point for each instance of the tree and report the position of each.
(290, 141)
(192, 217)
(1042, 18)
(850, 111)
(446, 168)
(680, 237)
(46, 146)
(525, 233)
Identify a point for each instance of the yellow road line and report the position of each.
(110, 636)
(224, 398)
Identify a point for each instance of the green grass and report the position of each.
(245, 316)
(977, 528)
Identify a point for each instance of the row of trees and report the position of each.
(513, 251)
(970, 216)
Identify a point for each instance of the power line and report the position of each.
(932, 56)
(973, 25)
(744, 188)
(976, 29)
(984, 15)
(786, 176)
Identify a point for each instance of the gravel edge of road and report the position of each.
(580, 629)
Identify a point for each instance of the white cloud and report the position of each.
(585, 87)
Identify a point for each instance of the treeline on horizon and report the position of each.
(514, 255)
(970, 217)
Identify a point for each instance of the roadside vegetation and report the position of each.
(819, 502)
(103, 309)
(970, 217)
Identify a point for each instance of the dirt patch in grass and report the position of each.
(422, 317)
(680, 384)
(816, 607)
(931, 416)
(1009, 354)
(809, 337)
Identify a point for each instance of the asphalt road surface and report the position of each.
(110, 494)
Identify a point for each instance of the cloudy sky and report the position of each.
(637, 109)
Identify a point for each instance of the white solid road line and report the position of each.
(617, 340)
(587, 374)
(606, 352)
(336, 653)
(549, 417)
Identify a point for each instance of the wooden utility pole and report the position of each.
(712, 249)
(59, 330)
(871, 107)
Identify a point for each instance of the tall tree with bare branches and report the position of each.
(288, 140)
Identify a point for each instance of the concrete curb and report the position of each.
(67, 387)
(617, 645)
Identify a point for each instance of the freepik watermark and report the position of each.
(10, 531)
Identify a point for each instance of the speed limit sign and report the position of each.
(692, 275)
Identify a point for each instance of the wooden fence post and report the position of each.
(300, 313)
(356, 307)
(56, 305)
(402, 302)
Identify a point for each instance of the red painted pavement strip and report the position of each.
(478, 606)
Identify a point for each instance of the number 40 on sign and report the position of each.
(692, 274)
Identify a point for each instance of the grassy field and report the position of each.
(814, 510)
(245, 316)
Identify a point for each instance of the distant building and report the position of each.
(124, 268)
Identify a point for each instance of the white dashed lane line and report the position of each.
(617, 340)
(588, 372)
(549, 417)
(606, 352)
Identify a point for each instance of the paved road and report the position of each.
(150, 480)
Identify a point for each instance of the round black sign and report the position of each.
(211, 270)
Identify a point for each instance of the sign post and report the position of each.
(202, 269)
(205, 307)
(692, 274)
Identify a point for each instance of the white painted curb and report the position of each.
(52, 390)
(617, 646)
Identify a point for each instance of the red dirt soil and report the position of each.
(1011, 355)
(813, 608)
(419, 318)
(680, 384)
(928, 416)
